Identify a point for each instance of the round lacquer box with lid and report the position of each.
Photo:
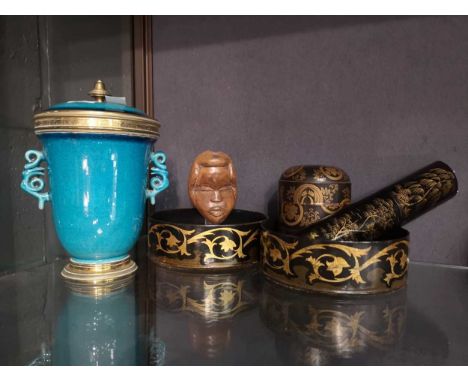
(97, 155)
(308, 194)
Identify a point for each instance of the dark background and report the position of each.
(379, 97)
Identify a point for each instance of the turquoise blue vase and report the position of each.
(97, 165)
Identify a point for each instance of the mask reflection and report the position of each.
(204, 307)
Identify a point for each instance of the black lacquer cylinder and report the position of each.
(181, 239)
(388, 208)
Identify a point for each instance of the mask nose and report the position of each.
(216, 196)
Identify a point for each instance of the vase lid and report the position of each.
(96, 117)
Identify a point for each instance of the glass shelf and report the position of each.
(168, 317)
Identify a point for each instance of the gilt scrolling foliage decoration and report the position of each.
(220, 300)
(213, 244)
(333, 263)
(344, 329)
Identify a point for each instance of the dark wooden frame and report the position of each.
(143, 64)
(143, 100)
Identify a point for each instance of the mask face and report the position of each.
(213, 186)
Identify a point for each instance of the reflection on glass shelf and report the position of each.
(318, 329)
(169, 317)
(97, 325)
(206, 304)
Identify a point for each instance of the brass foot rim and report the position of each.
(99, 273)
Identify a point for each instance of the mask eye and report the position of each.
(204, 189)
(224, 189)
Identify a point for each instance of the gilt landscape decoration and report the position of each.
(389, 208)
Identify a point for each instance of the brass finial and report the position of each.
(99, 92)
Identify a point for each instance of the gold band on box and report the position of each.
(99, 274)
(336, 267)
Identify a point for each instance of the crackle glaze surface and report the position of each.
(97, 186)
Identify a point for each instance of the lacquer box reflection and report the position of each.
(315, 329)
(98, 155)
(203, 309)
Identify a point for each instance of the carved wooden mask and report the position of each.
(212, 186)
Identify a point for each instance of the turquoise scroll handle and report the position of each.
(32, 183)
(159, 176)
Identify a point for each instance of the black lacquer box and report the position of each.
(308, 194)
(181, 239)
(336, 267)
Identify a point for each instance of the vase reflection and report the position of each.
(97, 325)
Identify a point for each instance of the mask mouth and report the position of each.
(216, 211)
